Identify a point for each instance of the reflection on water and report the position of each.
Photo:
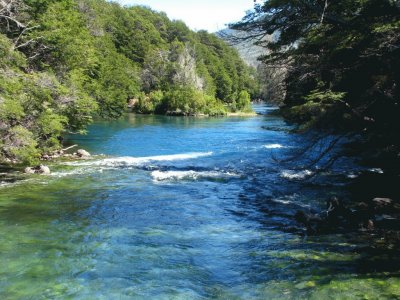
(181, 208)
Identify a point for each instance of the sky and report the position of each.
(211, 15)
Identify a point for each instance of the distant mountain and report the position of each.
(247, 50)
(271, 79)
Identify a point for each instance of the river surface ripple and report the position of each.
(179, 208)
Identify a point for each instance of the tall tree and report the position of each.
(343, 62)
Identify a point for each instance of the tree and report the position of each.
(64, 61)
(243, 102)
(342, 60)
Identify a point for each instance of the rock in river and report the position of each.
(42, 169)
(82, 153)
(29, 170)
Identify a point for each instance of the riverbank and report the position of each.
(62, 153)
(242, 114)
(203, 115)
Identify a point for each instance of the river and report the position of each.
(180, 208)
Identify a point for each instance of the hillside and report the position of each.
(246, 47)
(270, 78)
(62, 62)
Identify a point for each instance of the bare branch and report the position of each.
(27, 43)
(19, 24)
(324, 11)
(22, 33)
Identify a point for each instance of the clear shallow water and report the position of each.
(180, 208)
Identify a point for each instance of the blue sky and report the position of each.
(211, 15)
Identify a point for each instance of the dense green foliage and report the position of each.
(61, 62)
(342, 62)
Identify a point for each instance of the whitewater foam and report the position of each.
(4, 184)
(286, 202)
(274, 146)
(127, 161)
(289, 174)
(376, 170)
(180, 175)
(352, 175)
(78, 171)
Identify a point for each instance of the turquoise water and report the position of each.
(181, 208)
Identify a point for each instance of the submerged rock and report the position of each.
(82, 153)
(312, 222)
(335, 217)
(377, 214)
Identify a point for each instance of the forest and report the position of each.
(64, 62)
(341, 66)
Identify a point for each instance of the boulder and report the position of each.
(82, 153)
(42, 169)
(45, 170)
(29, 170)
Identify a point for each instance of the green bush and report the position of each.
(243, 102)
